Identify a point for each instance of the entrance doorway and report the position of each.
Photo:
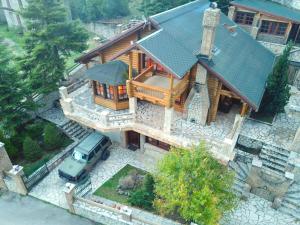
(133, 140)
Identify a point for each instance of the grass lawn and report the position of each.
(108, 189)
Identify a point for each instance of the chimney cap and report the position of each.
(213, 5)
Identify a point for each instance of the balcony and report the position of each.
(157, 88)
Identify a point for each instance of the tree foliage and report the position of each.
(93, 10)
(32, 151)
(191, 183)
(151, 7)
(13, 101)
(49, 39)
(277, 93)
(52, 137)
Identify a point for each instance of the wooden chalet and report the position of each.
(182, 50)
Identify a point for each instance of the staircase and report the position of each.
(75, 130)
(291, 201)
(241, 170)
(274, 158)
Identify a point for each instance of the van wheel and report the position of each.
(105, 155)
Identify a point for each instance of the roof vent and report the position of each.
(213, 5)
(231, 29)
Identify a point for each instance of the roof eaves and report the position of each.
(227, 84)
(264, 12)
(93, 53)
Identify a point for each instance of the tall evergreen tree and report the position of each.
(277, 93)
(49, 39)
(13, 103)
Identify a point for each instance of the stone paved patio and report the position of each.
(55, 115)
(257, 211)
(283, 129)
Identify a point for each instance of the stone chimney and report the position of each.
(210, 22)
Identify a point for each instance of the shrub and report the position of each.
(126, 183)
(31, 150)
(35, 130)
(144, 196)
(52, 137)
(11, 150)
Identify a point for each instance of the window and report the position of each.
(91, 155)
(100, 89)
(271, 27)
(157, 143)
(109, 92)
(122, 92)
(244, 18)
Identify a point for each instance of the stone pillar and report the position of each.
(296, 142)
(231, 12)
(123, 138)
(169, 114)
(210, 22)
(67, 105)
(126, 214)
(255, 26)
(63, 91)
(142, 142)
(132, 105)
(69, 194)
(104, 117)
(201, 74)
(254, 32)
(16, 173)
(5, 163)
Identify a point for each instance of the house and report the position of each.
(12, 10)
(266, 20)
(198, 75)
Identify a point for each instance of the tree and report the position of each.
(277, 93)
(114, 9)
(52, 138)
(31, 150)
(13, 103)
(222, 4)
(191, 183)
(50, 38)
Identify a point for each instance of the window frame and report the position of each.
(273, 28)
(244, 18)
(122, 96)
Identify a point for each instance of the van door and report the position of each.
(91, 160)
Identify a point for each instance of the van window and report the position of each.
(91, 155)
(104, 141)
(97, 149)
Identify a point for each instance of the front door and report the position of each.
(133, 140)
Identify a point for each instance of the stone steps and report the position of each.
(75, 130)
(291, 201)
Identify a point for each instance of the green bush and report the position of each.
(52, 137)
(31, 150)
(11, 150)
(144, 196)
(35, 130)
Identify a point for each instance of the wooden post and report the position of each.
(101, 58)
(87, 65)
(297, 34)
(244, 109)
(170, 101)
(288, 30)
(130, 66)
(216, 103)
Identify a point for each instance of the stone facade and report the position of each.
(290, 3)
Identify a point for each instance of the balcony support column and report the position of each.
(130, 66)
(169, 115)
(170, 100)
(132, 105)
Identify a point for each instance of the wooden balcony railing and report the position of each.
(144, 75)
(156, 95)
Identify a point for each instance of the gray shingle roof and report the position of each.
(272, 8)
(241, 62)
(112, 73)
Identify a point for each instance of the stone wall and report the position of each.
(271, 38)
(290, 3)
(249, 143)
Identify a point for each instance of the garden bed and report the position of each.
(35, 131)
(262, 117)
(109, 188)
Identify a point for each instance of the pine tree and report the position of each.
(277, 93)
(32, 151)
(49, 39)
(13, 102)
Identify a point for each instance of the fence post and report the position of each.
(69, 194)
(16, 173)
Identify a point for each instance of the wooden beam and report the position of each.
(288, 30)
(87, 66)
(170, 101)
(216, 103)
(101, 58)
(229, 94)
(130, 66)
(244, 109)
